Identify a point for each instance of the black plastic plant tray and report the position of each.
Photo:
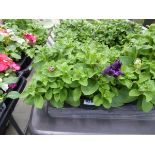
(2, 109)
(123, 120)
(25, 67)
(128, 111)
(10, 105)
(22, 60)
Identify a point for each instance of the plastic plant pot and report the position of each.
(10, 105)
(148, 22)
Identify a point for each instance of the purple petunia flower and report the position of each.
(12, 85)
(116, 65)
(114, 69)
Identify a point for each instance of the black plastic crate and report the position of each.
(10, 105)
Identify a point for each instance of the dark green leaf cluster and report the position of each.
(109, 32)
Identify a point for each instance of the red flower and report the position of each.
(12, 85)
(6, 63)
(30, 38)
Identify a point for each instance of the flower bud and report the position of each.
(138, 63)
(51, 68)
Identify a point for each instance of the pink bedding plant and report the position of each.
(30, 38)
(9, 33)
(6, 64)
(8, 78)
(3, 32)
(11, 42)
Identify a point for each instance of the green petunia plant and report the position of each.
(110, 62)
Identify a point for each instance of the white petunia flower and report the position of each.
(10, 31)
(4, 34)
(20, 40)
(5, 87)
(138, 63)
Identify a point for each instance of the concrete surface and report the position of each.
(21, 115)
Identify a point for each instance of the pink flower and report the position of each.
(3, 32)
(30, 38)
(5, 62)
(12, 85)
(15, 66)
(3, 67)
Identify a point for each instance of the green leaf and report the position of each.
(57, 97)
(144, 77)
(146, 106)
(29, 100)
(134, 92)
(57, 104)
(56, 91)
(148, 86)
(126, 82)
(70, 101)
(108, 95)
(148, 96)
(153, 100)
(106, 104)
(38, 101)
(67, 79)
(55, 73)
(139, 103)
(122, 98)
(10, 80)
(146, 47)
(1, 38)
(13, 95)
(63, 95)
(77, 94)
(49, 94)
(126, 60)
(74, 84)
(97, 100)
(1, 92)
(15, 55)
(42, 90)
(53, 85)
(91, 88)
(11, 47)
(83, 82)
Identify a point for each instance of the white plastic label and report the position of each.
(88, 102)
